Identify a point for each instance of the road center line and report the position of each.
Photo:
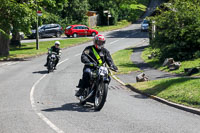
(44, 118)
(62, 61)
(114, 41)
(8, 63)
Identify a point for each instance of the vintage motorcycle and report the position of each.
(97, 91)
(52, 60)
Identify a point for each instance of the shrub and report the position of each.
(178, 31)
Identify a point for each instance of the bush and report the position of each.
(197, 54)
(178, 31)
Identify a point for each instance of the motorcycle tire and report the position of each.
(100, 96)
(50, 67)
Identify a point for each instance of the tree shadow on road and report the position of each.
(128, 34)
(138, 49)
(140, 96)
(72, 107)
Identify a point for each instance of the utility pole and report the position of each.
(39, 13)
(37, 35)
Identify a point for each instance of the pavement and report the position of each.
(151, 73)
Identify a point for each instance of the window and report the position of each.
(76, 27)
(68, 27)
(84, 27)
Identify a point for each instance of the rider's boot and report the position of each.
(45, 64)
(79, 92)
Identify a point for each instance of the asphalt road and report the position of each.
(32, 101)
(44, 39)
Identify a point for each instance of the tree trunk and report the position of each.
(4, 45)
(15, 41)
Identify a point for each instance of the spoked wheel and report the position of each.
(100, 97)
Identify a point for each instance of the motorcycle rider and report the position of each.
(91, 55)
(56, 49)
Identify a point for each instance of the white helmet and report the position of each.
(57, 43)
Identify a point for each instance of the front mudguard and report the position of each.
(106, 79)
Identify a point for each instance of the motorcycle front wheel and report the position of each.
(50, 66)
(100, 96)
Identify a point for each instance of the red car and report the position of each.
(79, 30)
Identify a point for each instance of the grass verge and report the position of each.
(120, 24)
(122, 60)
(29, 49)
(154, 62)
(178, 90)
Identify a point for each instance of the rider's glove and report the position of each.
(114, 67)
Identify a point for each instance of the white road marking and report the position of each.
(62, 61)
(8, 63)
(45, 119)
(114, 41)
(78, 54)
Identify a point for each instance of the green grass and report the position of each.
(29, 49)
(155, 62)
(123, 62)
(184, 91)
(120, 24)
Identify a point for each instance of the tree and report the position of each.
(75, 12)
(119, 9)
(15, 15)
(178, 30)
(20, 15)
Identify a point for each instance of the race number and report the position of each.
(103, 70)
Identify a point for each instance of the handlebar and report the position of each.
(96, 66)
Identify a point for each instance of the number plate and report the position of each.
(103, 71)
(53, 55)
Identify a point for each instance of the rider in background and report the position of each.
(56, 49)
(92, 56)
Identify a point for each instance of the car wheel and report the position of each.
(58, 34)
(40, 36)
(93, 34)
(75, 35)
(21, 37)
(68, 36)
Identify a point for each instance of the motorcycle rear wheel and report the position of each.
(100, 96)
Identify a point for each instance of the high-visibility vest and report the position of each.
(98, 57)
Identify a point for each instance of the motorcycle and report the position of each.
(52, 60)
(98, 88)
